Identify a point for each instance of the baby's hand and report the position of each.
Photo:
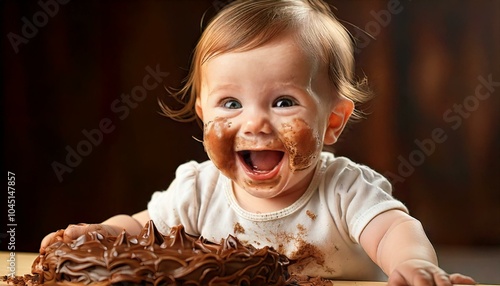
(73, 231)
(421, 272)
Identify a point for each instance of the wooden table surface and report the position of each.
(23, 262)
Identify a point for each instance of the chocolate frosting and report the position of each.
(151, 258)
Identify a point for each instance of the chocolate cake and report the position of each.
(151, 258)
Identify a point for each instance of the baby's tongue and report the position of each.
(265, 160)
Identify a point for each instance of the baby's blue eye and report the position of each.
(284, 102)
(232, 104)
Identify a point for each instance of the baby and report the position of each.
(273, 82)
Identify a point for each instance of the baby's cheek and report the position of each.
(302, 142)
(218, 140)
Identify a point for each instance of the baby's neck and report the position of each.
(261, 205)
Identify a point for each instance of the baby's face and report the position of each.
(265, 114)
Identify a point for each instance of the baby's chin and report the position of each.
(269, 189)
(264, 191)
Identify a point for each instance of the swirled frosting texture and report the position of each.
(151, 258)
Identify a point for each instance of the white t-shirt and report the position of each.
(321, 229)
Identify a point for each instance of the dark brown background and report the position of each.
(425, 59)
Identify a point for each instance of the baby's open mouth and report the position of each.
(261, 161)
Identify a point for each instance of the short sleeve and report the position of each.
(179, 204)
(359, 195)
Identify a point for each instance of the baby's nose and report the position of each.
(257, 124)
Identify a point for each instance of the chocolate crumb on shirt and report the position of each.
(311, 214)
(238, 228)
(307, 250)
(302, 230)
(307, 253)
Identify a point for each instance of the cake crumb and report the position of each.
(307, 250)
(238, 228)
(307, 280)
(311, 214)
(27, 279)
(302, 229)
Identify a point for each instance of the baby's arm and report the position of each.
(398, 244)
(112, 226)
(132, 224)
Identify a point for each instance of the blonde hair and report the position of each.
(247, 24)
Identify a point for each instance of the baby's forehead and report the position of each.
(285, 51)
(290, 42)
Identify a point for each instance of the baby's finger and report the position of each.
(46, 242)
(50, 239)
(441, 278)
(73, 231)
(422, 278)
(457, 278)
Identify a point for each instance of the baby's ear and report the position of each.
(198, 109)
(341, 112)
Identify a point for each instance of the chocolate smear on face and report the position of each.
(219, 144)
(302, 143)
